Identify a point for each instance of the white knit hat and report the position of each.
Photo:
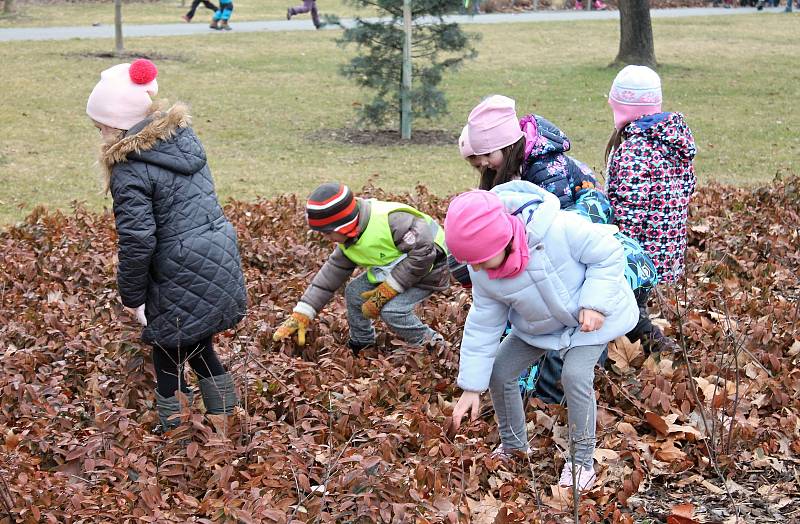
(122, 97)
(635, 92)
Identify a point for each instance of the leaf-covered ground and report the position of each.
(326, 437)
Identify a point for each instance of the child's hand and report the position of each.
(298, 322)
(590, 320)
(138, 314)
(469, 401)
(376, 299)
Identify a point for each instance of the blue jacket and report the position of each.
(547, 166)
(573, 265)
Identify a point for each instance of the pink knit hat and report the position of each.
(463, 143)
(635, 92)
(122, 96)
(492, 125)
(477, 226)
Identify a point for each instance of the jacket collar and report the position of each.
(158, 125)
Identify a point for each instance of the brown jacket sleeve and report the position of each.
(331, 276)
(425, 264)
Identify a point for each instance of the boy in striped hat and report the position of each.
(404, 256)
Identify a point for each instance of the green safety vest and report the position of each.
(375, 247)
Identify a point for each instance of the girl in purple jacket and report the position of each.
(650, 173)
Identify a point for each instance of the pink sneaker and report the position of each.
(578, 6)
(586, 477)
(599, 5)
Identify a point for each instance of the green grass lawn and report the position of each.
(258, 98)
(156, 12)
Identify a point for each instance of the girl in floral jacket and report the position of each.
(650, 173)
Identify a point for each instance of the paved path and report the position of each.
(182, 29)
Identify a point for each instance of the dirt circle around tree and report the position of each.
(385, 137)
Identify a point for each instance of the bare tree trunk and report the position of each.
(405, 91)
(8, 7)
(118, 47)
(635, 34)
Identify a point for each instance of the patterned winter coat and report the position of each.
(650, 182)
(548, 167)
(178, 254)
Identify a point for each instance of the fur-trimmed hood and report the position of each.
(164, 138)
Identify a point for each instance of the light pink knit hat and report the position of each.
(635, 92)
(477, 226)
(492, 125)
(463, 143)
(122, 97)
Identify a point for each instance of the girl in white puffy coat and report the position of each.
(560, 281)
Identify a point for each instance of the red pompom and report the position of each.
(143, 71)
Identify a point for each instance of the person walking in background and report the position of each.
(221, 16)
(402, 251)
(308, 5)
(559, 280)
(650, 169)
(195, 4)
(179, 270)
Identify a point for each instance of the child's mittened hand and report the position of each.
(590, 320)
(298, 322)
(138, 314)
(469, 401)
(376, 299)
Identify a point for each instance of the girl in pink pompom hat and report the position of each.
(560, 282)
(179, 271)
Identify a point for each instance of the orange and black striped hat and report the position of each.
(332, 207)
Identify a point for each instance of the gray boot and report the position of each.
(167, 407)
(219, 394)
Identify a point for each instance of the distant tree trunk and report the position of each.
(635, 34)
(118, 47)
(8, 7)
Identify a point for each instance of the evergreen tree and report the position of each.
(436, 47)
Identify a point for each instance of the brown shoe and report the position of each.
(214, 24)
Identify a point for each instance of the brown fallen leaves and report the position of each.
(326, 437)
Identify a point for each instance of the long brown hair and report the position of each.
(613, 143)
(513, 156)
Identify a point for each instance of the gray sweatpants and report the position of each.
(577, 379)
(398, 313)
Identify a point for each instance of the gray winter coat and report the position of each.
(178, 254)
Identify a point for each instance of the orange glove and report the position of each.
(297, 322)
(376, 299)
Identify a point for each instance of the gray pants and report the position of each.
(577, 380)
(398, 314)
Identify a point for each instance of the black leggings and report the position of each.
(196, 4)
(170, 362)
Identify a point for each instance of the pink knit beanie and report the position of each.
(477, 226)
(492, 125)
(635, 92)
(463, 143)
(122, 97)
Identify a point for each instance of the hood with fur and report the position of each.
(164, 139)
